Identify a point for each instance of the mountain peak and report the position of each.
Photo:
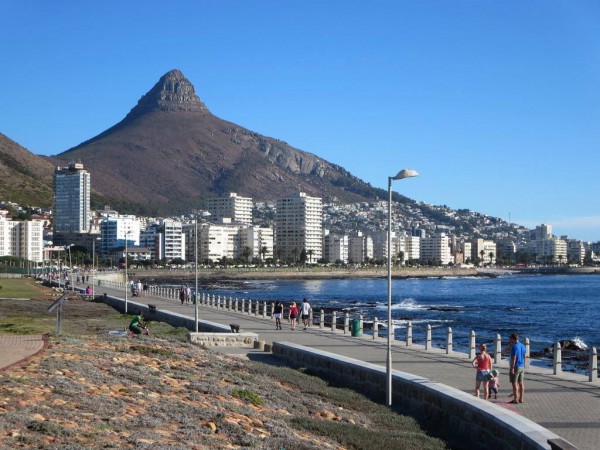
(173, 92)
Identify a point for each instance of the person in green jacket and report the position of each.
(138, 326)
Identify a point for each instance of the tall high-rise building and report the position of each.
(234, 207)
(299, 227)
(71, 212)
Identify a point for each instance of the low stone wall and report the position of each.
(483, 425)
(174, 319)
(224, 339)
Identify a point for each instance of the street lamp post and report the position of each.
(405, 173)
(126, 283)
(205, 214)
(196, 273)
(93, 265)
(71, 268)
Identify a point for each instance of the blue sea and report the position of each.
(544, 308)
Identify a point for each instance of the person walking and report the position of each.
(277, 314)
(518, 354)
(494, 383)
(306, 310)
(483, 363)
(293, 315)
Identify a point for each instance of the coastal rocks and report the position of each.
(443, 308)
(572, 350)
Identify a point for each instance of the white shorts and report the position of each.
(277, 315)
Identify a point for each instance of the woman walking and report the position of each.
(483, 363)
(293, 315)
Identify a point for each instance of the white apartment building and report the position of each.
(259, 240)
(436, 248)
(507, 248)
(484, 250)
(548, 251)
(299, 227)
(541, 232)
(335, 248)
(152, 239)
(575, 251)
(114, 231)
(360, 248)
(412, 247)
(467, 251)
(234, 207)
(218, 241)
(71, 211)
(24, 239)
(173, 240)
(380, 244)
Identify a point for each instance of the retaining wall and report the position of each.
(224, 339)
(464, 417)
(174, 319)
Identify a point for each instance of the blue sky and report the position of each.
(495, 103)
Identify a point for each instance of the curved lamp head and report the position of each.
(405, 173)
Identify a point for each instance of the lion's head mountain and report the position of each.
(170, 152)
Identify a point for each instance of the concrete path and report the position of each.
(567, 404)
(15, 348)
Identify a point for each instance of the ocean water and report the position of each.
(544, 308)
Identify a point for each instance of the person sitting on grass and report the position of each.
(138, 326)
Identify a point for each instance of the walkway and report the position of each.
(568, 404)
(15, 348)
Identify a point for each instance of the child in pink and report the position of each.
(494, 383)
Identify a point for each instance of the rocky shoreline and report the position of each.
(305, 273)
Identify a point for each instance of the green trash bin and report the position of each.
(355, 326)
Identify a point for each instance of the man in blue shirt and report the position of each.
(517, 368)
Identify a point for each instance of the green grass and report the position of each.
(20, 288)
(249, 396)
(387, 429)
(357, 437)
(150, 351)
(21, 325)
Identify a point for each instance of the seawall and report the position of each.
(465, 418)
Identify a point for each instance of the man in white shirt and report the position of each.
(306, 309)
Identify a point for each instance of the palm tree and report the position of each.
(309, 253)
(263, 251)
(491, 255)
(482, 253)
(246, 253)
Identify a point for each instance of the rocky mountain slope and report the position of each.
(25, 177)
(171, 152)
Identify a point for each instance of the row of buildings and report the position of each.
(226, 230)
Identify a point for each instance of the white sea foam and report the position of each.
(402, 323)
(579, 343)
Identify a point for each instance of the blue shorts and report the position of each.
(483, 375)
